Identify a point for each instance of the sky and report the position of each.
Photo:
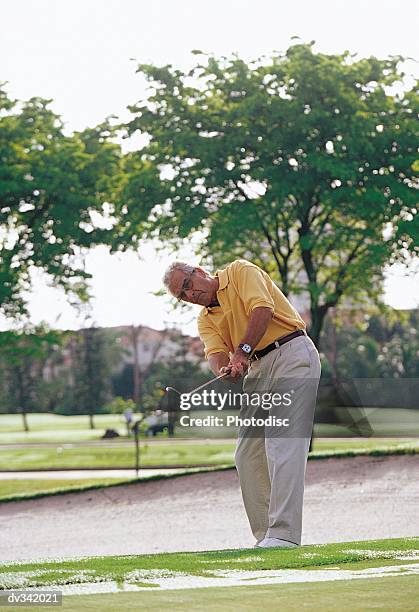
(82, 54)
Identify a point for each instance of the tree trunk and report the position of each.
(333, 360)
(91, 422)
(25, 421)
(332, 355)
(318, 314)
(136, 366)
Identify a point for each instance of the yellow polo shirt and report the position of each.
(243, 287)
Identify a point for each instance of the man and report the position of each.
(249, 328)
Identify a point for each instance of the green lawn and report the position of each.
(46, 427)
(29, 488)
(171, 452)
(69, 456)
(342, 445)
(399, 558)
(395, 593)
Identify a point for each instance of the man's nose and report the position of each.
(188, 295)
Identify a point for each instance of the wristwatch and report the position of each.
(246, 348)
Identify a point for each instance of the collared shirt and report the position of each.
(243, 286)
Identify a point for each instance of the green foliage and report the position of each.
(51, 188)
(298, 162)
(119, 405)
(386, 346)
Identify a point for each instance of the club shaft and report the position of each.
(209, 382)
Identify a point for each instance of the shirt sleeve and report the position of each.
(253, 288)
(213, 342)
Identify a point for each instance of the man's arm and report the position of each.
(256, 328)
(217, 361)
(216, 350)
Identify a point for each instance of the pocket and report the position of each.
(301, 353)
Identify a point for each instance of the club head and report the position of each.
(172, 389)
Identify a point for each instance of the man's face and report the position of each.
(196, 287)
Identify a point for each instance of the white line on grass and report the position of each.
(155, 580)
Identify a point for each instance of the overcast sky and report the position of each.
(83, 55)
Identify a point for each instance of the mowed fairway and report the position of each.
(381, 574)
(171, 453)
(46, 427)
(395, 593)
(113, 456)
(26, 488)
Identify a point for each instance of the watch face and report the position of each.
(246, 348)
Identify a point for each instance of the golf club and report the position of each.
(200, 386)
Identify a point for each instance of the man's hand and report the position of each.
(237, 367)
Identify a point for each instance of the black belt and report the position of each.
(277, 344)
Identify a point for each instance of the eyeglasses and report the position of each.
(186, 285)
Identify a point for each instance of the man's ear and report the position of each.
(201, 271)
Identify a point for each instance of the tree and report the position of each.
(381, 345)
(92, 372)
(23, 355)
(373, 360)
(54, 191)
(302, 162)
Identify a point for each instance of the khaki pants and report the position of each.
(271, 461)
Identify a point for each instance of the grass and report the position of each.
(40, 488)
(126, 569)
(149, 572)
(12, 490)
(393, 593)
(174, 452)
(324, 449)
(69, 456)
(46, 427)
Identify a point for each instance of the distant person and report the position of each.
(128, 416)
(249, 328)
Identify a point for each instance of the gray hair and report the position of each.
(174, 266)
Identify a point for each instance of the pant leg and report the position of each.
(252, 466)
(297, 366)
(287, 459)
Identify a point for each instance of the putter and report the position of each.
(200, 386)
